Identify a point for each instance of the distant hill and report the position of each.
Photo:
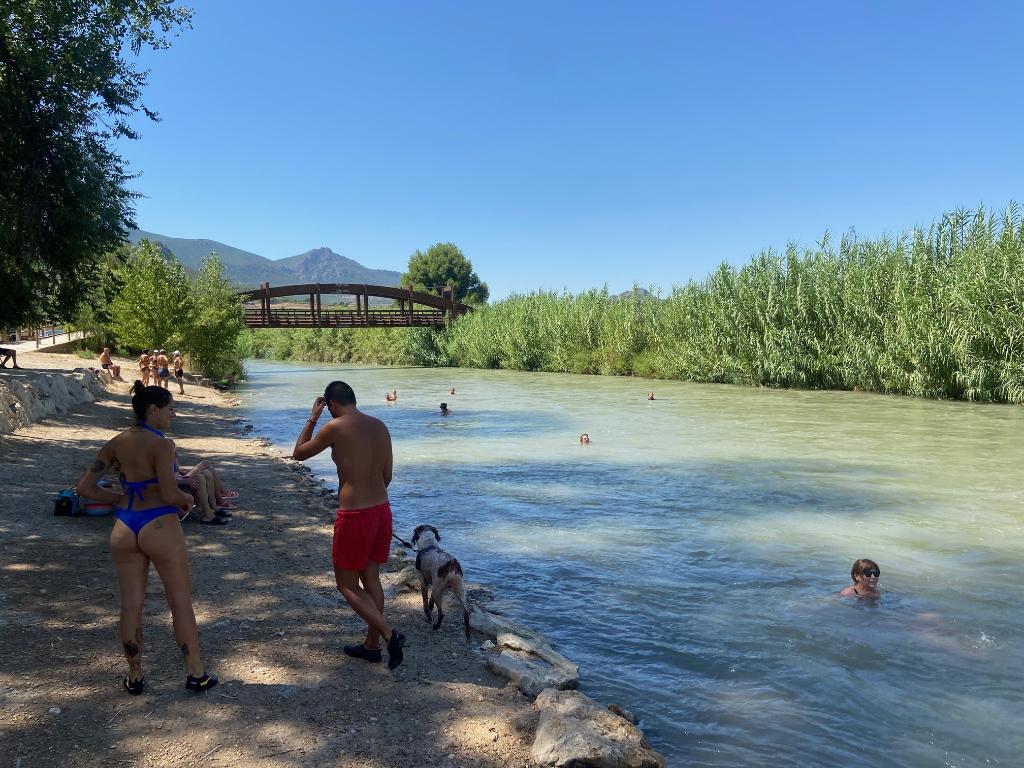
(322, 265)
(249, 270)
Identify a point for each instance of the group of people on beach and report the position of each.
(154, 367)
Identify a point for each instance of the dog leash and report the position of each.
(403, 542)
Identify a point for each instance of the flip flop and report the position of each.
(228, 505)
(230, 494)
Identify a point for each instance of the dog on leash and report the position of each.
(440, 572)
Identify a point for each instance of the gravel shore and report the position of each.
(271, 625)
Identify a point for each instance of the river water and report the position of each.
(689, 558)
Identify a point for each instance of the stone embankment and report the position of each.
(27, 396)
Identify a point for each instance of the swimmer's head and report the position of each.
(339, 393)
(584, 439)
(867, 568)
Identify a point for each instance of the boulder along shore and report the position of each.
(271, 621)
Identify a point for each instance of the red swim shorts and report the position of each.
(361, 535)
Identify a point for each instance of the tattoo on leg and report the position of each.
(131, 650)
(184, 649)
(158, 524)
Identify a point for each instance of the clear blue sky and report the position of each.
(576, 144)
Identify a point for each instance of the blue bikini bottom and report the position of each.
(137, 519)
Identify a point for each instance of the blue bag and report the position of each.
(67, 503)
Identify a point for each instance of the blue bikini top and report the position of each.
(135, 487)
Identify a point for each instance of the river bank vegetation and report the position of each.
(933, 313)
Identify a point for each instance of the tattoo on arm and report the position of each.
(98, 466)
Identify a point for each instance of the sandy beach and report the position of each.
(271, 624)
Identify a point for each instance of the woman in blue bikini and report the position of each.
(147, 529)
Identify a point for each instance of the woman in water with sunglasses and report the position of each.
(147, 530)
(865, 575)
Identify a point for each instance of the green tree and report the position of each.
(213, 331)
(68, 88)
(155, 305)
(444, 264)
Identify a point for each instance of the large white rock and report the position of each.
(531, 664)
(493, 624)
(576, 731)
(27, 396)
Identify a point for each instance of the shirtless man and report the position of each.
(361, 449)
(144, 367)
(163, 374)
(108, 364)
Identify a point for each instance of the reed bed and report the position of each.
(933, 313)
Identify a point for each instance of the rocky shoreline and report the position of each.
(271, 624)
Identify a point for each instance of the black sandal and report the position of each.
(204, 683)
(215, 520)
(134, 688)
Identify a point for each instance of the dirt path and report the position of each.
(271, 626)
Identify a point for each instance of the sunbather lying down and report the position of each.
(209, 493)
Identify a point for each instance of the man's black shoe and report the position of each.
(360, 651)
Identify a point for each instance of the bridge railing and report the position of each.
(293, 317)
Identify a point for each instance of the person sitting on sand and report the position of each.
(147, 530)
(865, 575)
(9, 354)
(650, 395)
(203, 483)
(444, 410)
(108, 365)
(584, 439)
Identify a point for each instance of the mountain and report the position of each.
(322, 265)
(250, 270)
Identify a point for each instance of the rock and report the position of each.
(615, 709)
(27, 396)
(493, 624)
(409, 578)
(576, 731)
(531, 664)
(54, 710)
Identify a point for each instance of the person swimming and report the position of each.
(650, 395)
(444, 409)
(865, 575)
(584, 439)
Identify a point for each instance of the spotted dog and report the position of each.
(440, 572)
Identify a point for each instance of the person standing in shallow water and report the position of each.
(865, 574)
(147, 530)
(361, 449)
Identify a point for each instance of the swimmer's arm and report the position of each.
(87, 484)
(309, 445)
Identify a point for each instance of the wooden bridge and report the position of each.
(414, 309)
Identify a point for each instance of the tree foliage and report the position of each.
(216, 321)
(68, 87)
(444, 264)
(155, 304)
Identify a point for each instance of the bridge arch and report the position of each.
(416, 309)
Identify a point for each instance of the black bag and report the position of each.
(67, 503)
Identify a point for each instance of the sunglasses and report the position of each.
(870, 573)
